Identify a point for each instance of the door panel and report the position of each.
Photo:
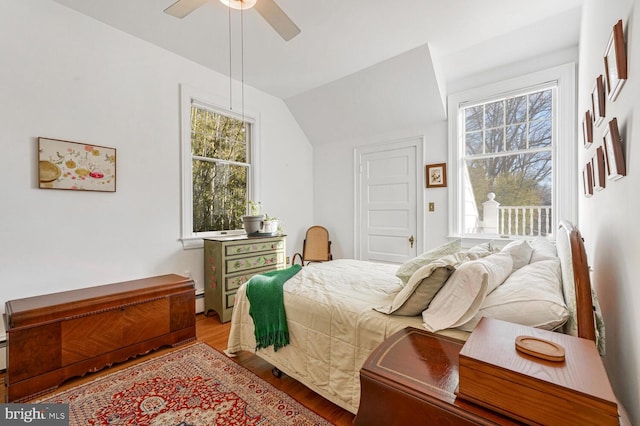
(387, 202)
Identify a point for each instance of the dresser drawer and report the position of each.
(258, 261)
(233, 282)
(253, 247)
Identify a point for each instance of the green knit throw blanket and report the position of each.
(266, 299)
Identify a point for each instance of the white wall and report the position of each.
(334, 186)
(67, 76)
(609, 219)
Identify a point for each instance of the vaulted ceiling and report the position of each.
(366, 57)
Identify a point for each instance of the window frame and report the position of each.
(188, 97)
(564, 147)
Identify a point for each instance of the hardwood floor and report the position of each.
(210, 330)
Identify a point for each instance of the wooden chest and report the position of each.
(576, 391)
(231, 261)
(53, 337)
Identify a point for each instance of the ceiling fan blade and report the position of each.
(276, 17)
(182, 8)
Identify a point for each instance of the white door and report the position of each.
(386, 201)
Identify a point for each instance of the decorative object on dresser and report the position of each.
(494, 374)
(53, 337)
(231, 261)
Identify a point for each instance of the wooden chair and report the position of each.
(316, 247)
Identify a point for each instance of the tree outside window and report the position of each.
(220, 170)
(508, 151)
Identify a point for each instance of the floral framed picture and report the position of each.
(75, 166)
(613, 151)
(436, 175)
(615, 61)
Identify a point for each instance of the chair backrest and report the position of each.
(317, 247)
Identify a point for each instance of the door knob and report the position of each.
(411, 240)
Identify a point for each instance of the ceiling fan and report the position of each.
(268, 9)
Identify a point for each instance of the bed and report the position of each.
(338, 312)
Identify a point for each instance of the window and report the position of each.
(512, 156)
(217, 169)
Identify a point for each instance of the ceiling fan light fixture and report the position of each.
(239, 4)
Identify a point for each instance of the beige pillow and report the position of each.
(531, 296)
(407, 269)
(423, 286)
(462, 295)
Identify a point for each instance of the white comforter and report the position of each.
(332, 325)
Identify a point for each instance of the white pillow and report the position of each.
(520, 251)
(423, 286)
(542, 249)
(460, 298)
(531, 296)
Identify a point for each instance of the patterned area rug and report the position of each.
(193, 386)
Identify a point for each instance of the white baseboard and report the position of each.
(199, 304)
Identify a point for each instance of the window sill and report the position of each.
(189, 243)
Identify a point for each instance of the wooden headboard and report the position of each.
(575, 268)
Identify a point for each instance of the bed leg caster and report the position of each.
(276, 372)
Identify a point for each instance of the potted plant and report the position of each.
(253, 221)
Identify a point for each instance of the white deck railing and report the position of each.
(515, 220)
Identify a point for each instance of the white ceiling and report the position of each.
(340, 38)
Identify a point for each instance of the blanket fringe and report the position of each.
(278, 339)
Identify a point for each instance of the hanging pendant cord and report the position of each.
(242, 60)
(230, 78)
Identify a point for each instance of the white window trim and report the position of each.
(565, 191)
(189, 95)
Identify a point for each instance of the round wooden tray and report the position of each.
(540, 348)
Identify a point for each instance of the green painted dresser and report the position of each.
(231, 261)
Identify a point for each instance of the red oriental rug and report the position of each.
(193, 386)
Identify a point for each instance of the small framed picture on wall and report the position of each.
(599, 169)
(587, 180)
(436, 175)
(615, 61)
(598, 101)
(613, 151)
(587, 129)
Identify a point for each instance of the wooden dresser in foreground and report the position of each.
(231, 261)
(416, 377)
(412, 378)
(54, 337)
